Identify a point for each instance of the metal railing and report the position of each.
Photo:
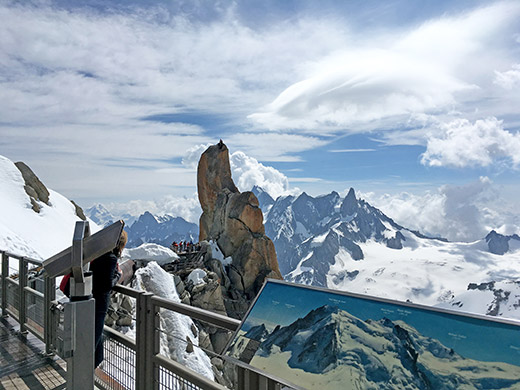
(28, 300)
(129, 364)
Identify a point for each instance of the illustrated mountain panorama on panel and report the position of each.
(330, 348)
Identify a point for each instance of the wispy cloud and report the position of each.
(441, 68)
(351, 150)
(84, 88)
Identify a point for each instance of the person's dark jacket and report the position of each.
(104, 274)
(104, 277)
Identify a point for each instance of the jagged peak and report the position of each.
(98, 207)
(492, 234)
(257, 189)
(147, 216)
(304, 195)
(350, 204)
(351, 193)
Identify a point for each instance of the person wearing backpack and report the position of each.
(106, 273)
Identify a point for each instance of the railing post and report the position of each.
(140, 342)
(22, 283)
(147, 342)
(155, 340)
(49, 294)
(152, 343)
(5, 274)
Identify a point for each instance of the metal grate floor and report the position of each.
(23, 364)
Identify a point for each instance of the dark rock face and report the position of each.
(257, 333)
(160, 230)
(79, 211)
(234, 221)
(33, 186)
(501, 296)
(498, 243)
(350, 204)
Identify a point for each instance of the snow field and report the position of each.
(25, 232)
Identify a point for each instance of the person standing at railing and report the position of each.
(105, 275)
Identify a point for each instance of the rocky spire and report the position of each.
(234, 221)
(350, 204)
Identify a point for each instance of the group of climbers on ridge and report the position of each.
(184, 247)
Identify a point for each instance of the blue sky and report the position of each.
(411, 103)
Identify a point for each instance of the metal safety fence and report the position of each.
(131, 363)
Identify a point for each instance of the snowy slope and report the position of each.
(178, 330)
(26, 232)
(151, 252)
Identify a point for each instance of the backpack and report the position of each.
(65, 284)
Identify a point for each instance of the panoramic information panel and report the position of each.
(314, 338)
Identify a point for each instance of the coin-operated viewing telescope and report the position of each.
(76, 337)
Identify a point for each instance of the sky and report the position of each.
(413, 104)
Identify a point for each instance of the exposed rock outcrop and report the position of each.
(79, 211)
(234, 221)
(498, 243)
(37, 191)
(34, 188)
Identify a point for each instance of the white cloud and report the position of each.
(192, 156)
(93, 67)
(351, 150)
(379, 81)
(247, 172)
(458, 213)
(509, 79)
(461, 143)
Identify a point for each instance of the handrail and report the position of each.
(120, 337)
(198, 313)
(19, 257)
(186, 373)
(33, 292)
(127, 291)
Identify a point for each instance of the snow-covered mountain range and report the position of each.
(340, 243)
(346, 244)
(147, 228)
(161, 230)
